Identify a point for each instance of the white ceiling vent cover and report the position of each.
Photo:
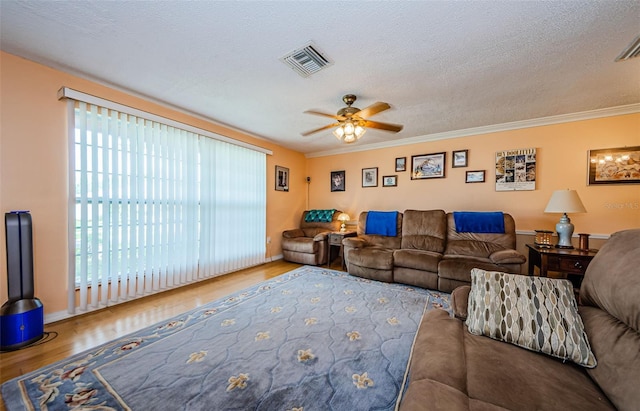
(632, 50)
(306, 60)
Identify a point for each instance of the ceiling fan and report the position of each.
(352, 122)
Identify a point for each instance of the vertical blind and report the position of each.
(156, 207)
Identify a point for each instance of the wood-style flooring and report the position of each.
(83, 332)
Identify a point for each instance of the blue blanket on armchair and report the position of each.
(479, 222)
(382, 223)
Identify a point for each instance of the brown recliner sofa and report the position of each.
(452, 369)
(428, 252)
(309, 243)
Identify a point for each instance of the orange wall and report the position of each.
(33, 167)
(562, 151)
(32, 120)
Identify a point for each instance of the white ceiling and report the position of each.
(441, 65)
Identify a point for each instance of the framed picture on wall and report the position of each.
(389, 181)
(424, 166)
(282, 178)
(476, 176)
(401, 164)
(460, 158)
(614, 166)
(370, 177)
(337, 180)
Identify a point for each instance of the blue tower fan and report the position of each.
(22, 317)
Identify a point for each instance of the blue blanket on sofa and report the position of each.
(382, 223)
(479, 222)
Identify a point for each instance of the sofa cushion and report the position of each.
(417, 259)
(536, 313)
(372, 257)
(479, 244)
(424, 230)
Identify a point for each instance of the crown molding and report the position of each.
(514, 125)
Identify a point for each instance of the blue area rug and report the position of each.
(310, 339)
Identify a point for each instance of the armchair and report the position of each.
(309, 243)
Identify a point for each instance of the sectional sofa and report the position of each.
(453, 369)
(428, 250)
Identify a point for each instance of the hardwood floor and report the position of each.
(83, 332)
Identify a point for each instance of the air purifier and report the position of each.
(22, 316)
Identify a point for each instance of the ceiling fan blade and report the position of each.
(373, 109)
(383, 126)
(319, 129)
(319, 113)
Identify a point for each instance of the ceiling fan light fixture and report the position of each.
(349, 132)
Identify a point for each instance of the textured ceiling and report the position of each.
(443, 66)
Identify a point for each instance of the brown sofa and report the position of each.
(428, 252)
(452, 369)
(309, 243)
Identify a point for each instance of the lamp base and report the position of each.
(564, 228)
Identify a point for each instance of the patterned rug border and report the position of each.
(72, 367)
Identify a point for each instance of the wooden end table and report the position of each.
(335, 246)
(563, 260)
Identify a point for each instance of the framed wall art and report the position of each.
(476, 176)
(389, 181)
(614, 166)
(370, 177)
(337, 180)
(516, 170)
(460, 158)
(424, 166)
(401, 164)
(282, 178)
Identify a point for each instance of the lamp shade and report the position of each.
(343, 217)
(565, 201)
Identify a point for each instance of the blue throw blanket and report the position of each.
(479, 222)
(382, 223)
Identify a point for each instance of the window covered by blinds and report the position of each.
(155, 207)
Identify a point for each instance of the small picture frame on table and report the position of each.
(460, 158)
(370, 177)
(389, 181)
(401, 164)
(476, 176)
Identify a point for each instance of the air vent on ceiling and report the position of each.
(632, 50)
(306, 60)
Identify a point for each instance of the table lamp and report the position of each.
(343, 218)
(564, 201)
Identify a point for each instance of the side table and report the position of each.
(335, 246)
(569, 261)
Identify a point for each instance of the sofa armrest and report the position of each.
(293, 233)
(321, 236)
(460, 301)
(507, 257)
(354, 242)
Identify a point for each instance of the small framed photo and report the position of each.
(337, 181)
(460, 158)
(476, 176)
(424, 166)
(614, 166)
(370, 177)
(401, 164)
(282, 178)
(389, 181)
